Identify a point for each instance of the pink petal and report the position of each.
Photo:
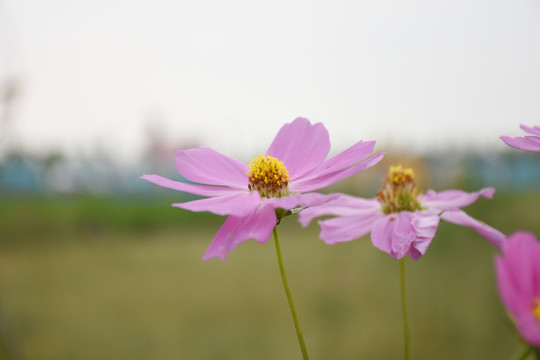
(521, 254)
(346, 228)
(511, 295)
(381, 234)
(301, 146)
(328, 179)
(425, 226)
(201, 190)
(238, 204)
(403, 235)
(459, 217)
(394, 234)
(343, 160)
(344, 205)
(291, 202)
(533, 140)
(531, 130)
(235, 230)
(453, 199)
(529, 328)
(529, 143)
(518, 277)
(207, 166)
(535, 254)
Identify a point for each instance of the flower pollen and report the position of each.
(536, 309)
(268, 176)
(399, 191)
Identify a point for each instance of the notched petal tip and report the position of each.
(304, 220)
(302, 119)
(487, 192)
(207, 256)
(301, 146)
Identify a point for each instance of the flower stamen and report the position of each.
(399, 191)
(268, 176)
(536, 309)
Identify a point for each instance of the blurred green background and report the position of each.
(89, 277)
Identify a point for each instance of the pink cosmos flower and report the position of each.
(518, 279)
(400, 221)
(257, 195)
(529, 143)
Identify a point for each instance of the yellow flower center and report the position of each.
(268, 176)
(536, 309)
(399, 191)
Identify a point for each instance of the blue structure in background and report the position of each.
(516, 172)
(508, 172)
(21, 175)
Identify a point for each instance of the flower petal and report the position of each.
(528, 143)
(346, 228)
(201, 190)
(343, 160)
(301, 146)
(207, 166)
(238, 204)
(521, 253)
(330, 178)
(235, 230)
(291, 202)
(507, 290)
(531, 130)
(394, 234)
(453, 199)
(344, 205)
(529, 329)
(461, 218)
(425, 226)
(381, 234)
(518, 281)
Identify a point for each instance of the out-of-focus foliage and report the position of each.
(91, 278)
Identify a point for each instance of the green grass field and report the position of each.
(89, 278)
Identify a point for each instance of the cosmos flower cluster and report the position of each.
(400, 219)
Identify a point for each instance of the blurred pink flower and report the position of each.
(518, 278)
(400, 221)
(281, 180)
(529, 143)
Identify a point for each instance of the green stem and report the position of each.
(289, 297)
(404, 310)
(524, 354)
(536, 351)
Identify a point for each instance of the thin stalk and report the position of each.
(289, 297)
(406, 335)
(524, 354)
(536, 352)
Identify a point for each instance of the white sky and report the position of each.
(418, 75)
